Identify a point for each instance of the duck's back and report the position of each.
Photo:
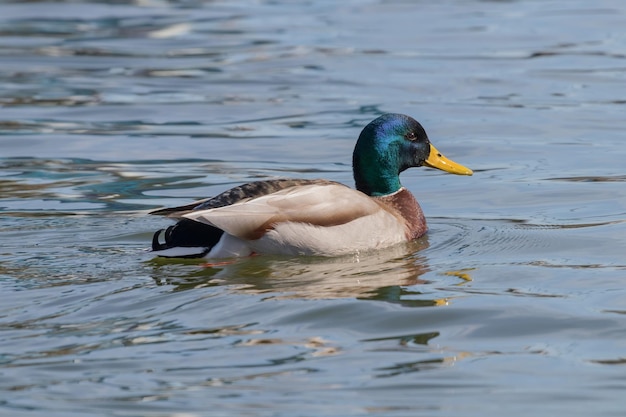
(313, 218)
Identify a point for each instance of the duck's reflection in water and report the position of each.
(379, 275)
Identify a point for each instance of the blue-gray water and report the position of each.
(514, 304)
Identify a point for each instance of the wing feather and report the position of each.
(326, 204)
(243, 192)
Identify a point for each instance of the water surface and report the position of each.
(514, 302)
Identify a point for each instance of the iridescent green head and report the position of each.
(389, 145)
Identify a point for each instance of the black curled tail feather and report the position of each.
(156, 245)
(188, 233)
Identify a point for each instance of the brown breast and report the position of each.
(408, 210)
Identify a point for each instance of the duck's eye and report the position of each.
(411, 136)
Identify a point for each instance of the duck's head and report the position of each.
(389, 145)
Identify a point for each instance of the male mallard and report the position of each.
(315, 217)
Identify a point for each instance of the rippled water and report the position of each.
(514, 302)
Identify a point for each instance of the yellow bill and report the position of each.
(437, 160)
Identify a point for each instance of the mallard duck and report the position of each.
(315, 217)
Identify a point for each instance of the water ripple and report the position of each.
(110, 109)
